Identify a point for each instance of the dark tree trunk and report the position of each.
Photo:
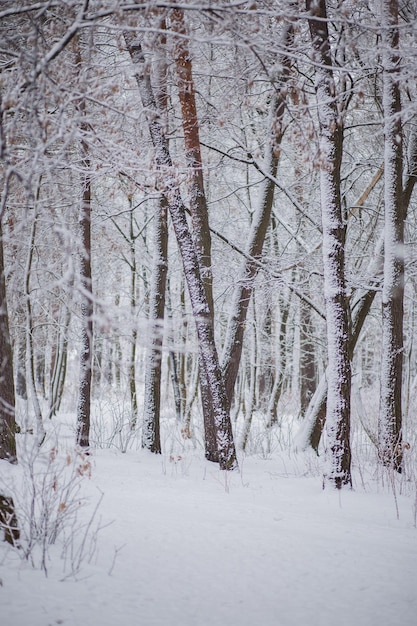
(307, 358)
(59, 363)
(134, 333)
(198, 204)
(86, 290)
(7, 392)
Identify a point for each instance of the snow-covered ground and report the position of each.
(182, 544)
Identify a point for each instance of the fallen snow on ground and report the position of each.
(182, 544)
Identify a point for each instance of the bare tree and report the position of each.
(390, 412)
(331, 142)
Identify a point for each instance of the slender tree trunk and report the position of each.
(7, 392)
(174, 364)
(331, 140)
(40, 430)
(151, 438)
(21, 385)
(198, 202)
(251, 400)
(59, 363)
(134, 333)
(86, 290)
(390, 410)
(198, 297)
(271, 414)
(307, 358)
(151, 424)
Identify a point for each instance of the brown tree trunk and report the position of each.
(7, 392)
(198, 203)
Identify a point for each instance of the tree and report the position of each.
(7, 393)
(390, 412)
(86, 285)
(151, 438)
(331, 141)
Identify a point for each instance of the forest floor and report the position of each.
(169, 540)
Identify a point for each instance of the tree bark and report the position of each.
(331, 142)
(30, 330)
(198, 202)
(390, 409)
(7, 392)
(86, 291)
(151, 438)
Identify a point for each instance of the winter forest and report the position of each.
(207, 281)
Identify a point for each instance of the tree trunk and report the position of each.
(86, 291)
(390, 409)
(134, 333)
(331, 141)
(40, 430)
(151, 423)
(151, 438)
(7, 393)
(198, 203)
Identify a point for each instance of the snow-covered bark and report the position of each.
(151, 438)
(30, 329)
(390, 410)
(151, 430)
(233, 345)
(59, 361)
(331, 139)
(7, 393)
(86, 289)
(134, 333)
(197, 293)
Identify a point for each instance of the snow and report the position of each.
(181, 543)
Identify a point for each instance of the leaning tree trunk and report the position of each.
(331, 140)
(198, 297)
(198, 202)
(390, 409)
